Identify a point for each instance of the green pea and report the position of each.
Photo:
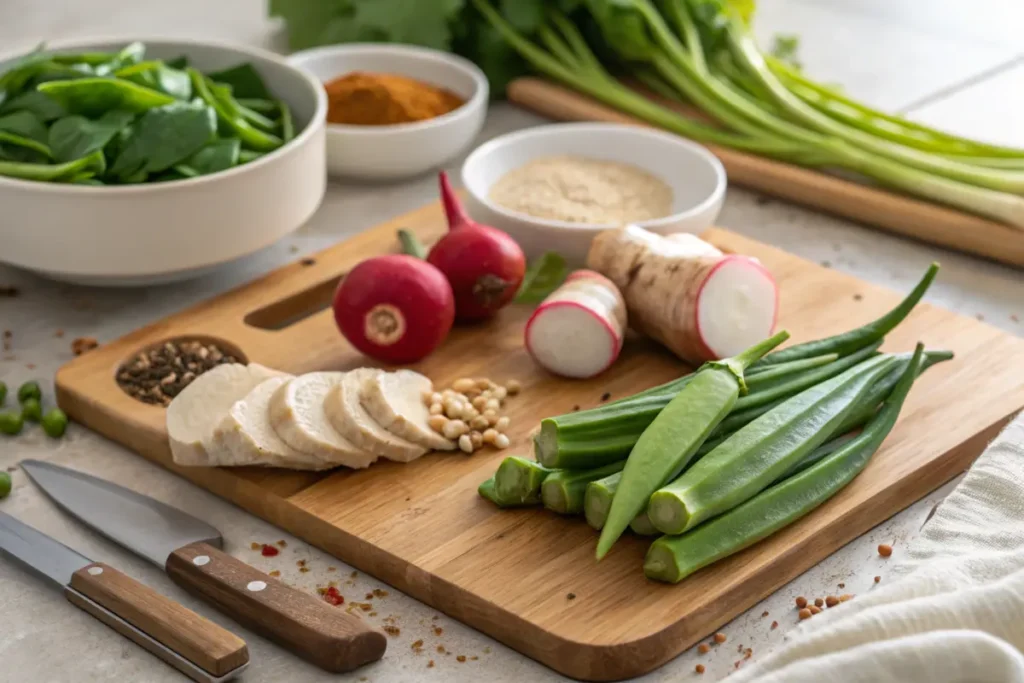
(29, 390)
(32, 410)
(5, 485)
(55, 423)
(11, 422)
(3, 393)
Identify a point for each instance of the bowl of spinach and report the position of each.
(127, 162)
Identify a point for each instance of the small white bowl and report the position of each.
(404, 149)
(148, 233)
(695, 175)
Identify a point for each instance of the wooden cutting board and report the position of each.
(896, 213)
(513, 574)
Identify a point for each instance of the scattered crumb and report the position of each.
(487, 650)
(365, 606)
(473, 658)
(575, 408)
(373, 614)
(831, 601)
(308, 261)
(845, 597)
(354, 575)
(380, 593)
(570, 596)
(30, 366)
(418, 645)
(255, 546)
(819, 603)
(392, 630)
(605, 396)
(700, 668)
(303, 569)
(737, 663)
(461, 659)
(720, 638)
(332, 584)
(293, 249)
(440, 649)
(979, 316)
(858, 297)
(842, 585)
(83, 344)
(1014, 318)
(301, 563)
(434, 618)
(878, 579)
(826, 264)
(814, 609)
(885, 550)
(275, 573)
(703, 648)
(804, 613)
(764, 614)
(775, 625)
(283, 543)
(748, 653)
(430, 664)
(438, 630)
(368, 596)
(801, 602)
(332, 569)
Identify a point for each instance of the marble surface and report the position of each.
(933, 66)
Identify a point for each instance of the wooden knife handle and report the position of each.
(170, 631)
(320, 633)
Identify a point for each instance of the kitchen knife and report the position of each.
(198, 648)
(188, 549)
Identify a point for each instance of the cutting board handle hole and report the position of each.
(293, 309)
(140, 378)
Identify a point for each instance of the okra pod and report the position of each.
(564, 491)
(671, 440)
(486, 490)
(597, 500)
(673, 558)
(641, 525)
(848, 342)
(769, 374)
(519, 479)
(758, 454)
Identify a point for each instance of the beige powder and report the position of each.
(582, 190)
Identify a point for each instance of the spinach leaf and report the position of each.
(133, 53)
(24, 123)
(155, 75)
(13, 139)
(287, 125)
(247, 155)
(216, 156)
(244, 80)
(73, 137)
(177, 63)
(256, 104)
(22, 71)
(95, 96)
(41, 105)
(164, 136)
(53, 172)
(542, 277)
(249, 135)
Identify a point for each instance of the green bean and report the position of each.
(32, 410)
(55, 423)
(518, 479)
(564, 491)
(11, 422)
(849, 342)
(5, 485)
(597, 500)
(29, 390)
(758, 454)
(673, 558)
(671, 440)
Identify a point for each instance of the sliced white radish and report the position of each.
(685, 293)
(577, 331)
(395, 401)
(297, 415)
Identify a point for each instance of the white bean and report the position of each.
(513, 386)
(454, 429)
(490, 435)
(479, 423)
(465, 443)
(501, 441)
(477, 439)
(502, 424)
(463, 385)
(436, 409)
(492, 404)
(437, 423)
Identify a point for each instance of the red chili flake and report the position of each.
(438, 630)
(392, 630)
(430, 664)
(255, 546)
(461, 659)
(269, 551)
(275, 573)
(877, 579)
(380, 593)
(775, 625)
(332, 596)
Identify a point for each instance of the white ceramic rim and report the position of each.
(699, 151)
(480, 94)
(169, 186)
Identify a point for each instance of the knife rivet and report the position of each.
(200, 560)
(256, 586)
(95, 571)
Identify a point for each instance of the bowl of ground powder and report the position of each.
(554, 187)
(395, 111)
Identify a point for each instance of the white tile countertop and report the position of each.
(955, 67)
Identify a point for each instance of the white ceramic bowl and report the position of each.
(149, 233)
(405, 149)
(695, 175)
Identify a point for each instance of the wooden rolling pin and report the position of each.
(889, 211)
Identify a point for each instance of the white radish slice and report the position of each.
(737, 305)
(577, 331)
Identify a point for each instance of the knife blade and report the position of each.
(196, 647)
(188, 549)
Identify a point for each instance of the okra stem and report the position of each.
(641, 525)
(597, 500)
(518, 479)
(565, 491)
(486, 490)
(673, 558)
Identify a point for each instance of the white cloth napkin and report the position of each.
(954, 612)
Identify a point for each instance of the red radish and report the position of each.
(483, 264)
(577, 330)
(395, 308)
(700, 303)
